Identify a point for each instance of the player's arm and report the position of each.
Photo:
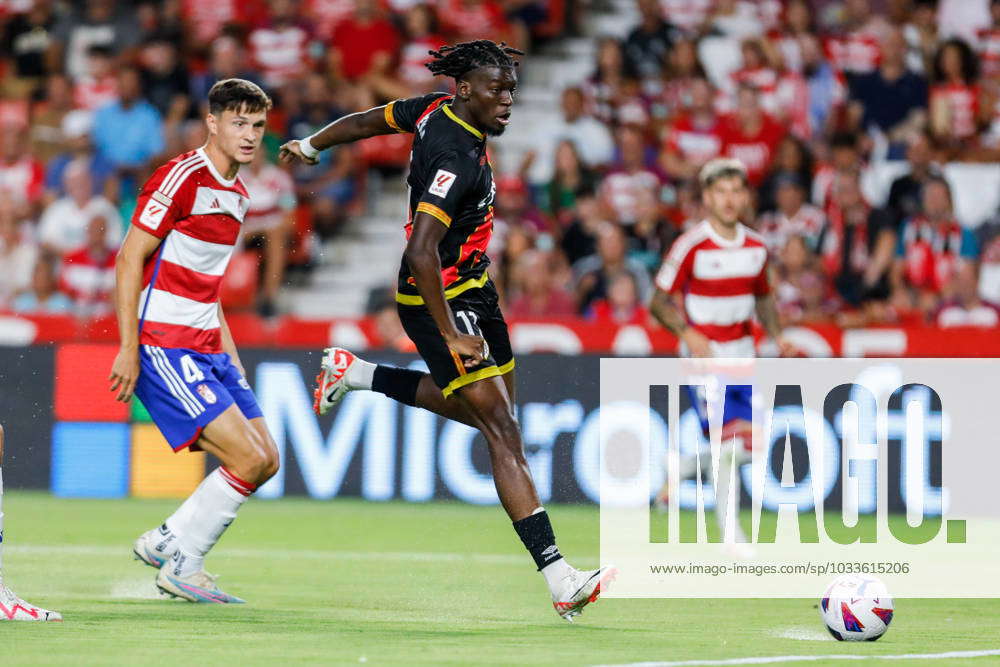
(767, 315)
(344, 130)
(129, 263)
(228, 344)
(424, 262)
(396, 116)
(674, 273)
(666, 311)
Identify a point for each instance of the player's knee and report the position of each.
(259, 460)
(271, 463)
(506, 437)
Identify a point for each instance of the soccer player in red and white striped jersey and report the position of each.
(718, 269)
(177, 353)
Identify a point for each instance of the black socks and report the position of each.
(536, 533)
(397, 383)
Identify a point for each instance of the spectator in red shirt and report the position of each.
(364, 44)
(793, 217)
(513, 207)
(932, 248)
(207, 20)
(673, 93)
(280, 49)
(421, 36)
(620, 188)
(695, 136)
(540, 295)
(750, 135)
(465, 20)
(88, 274)
(802, 291)
(955, 108)
(325, 15)
(966, 308)
(99, 85)
(621, 306)
(21, 175)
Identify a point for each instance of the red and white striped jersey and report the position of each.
(720, 280)
(198, 214)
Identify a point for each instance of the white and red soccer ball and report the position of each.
(856, 607)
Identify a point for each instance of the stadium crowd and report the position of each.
(94, 94)
(806, 95)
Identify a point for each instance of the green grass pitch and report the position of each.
(349, 582)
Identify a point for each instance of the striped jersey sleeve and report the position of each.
(159, 204)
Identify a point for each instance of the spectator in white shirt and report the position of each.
(63, 226)
(590, 137)
(17, 254)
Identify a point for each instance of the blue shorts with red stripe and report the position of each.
(184, 390)
(737, 403)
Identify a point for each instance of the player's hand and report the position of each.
(291, 151)
(698, 345)
(470, 349)
(125, 373)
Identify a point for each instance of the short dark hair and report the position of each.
(237, 95)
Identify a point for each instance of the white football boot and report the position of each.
(197, 587)
(13, 608)
(331, 383)
(579, 588)
(155, 547)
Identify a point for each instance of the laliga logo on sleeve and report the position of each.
(206, 393)
(443, 180)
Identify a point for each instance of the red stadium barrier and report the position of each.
(563, 337)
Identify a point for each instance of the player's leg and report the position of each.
(13, 608)
(488, 402)
(735, 450)
(248, 460)
(202, 401)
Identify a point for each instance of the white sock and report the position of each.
(360, 374)
(554, 573)
(728, 518)
(200, 521)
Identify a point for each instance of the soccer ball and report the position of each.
(856, 607)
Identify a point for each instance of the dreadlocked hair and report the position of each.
(454, 61)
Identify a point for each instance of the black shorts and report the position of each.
(477, 312)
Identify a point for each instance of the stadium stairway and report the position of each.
(365, 255)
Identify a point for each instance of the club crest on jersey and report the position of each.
(206, 393)
(443, 180)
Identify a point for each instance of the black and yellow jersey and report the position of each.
(450, 179)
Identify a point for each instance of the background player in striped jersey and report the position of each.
(177, 353)
(712, 281)
(13, 608)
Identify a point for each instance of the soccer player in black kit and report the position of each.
(446, 301)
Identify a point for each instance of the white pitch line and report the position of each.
(280, 554)
(768, 660)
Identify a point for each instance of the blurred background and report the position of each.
(871, 131)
